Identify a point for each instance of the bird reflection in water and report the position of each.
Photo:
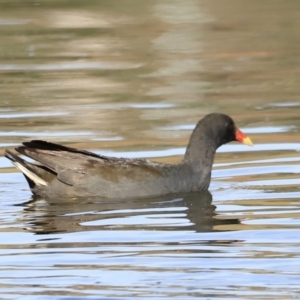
(191, 211)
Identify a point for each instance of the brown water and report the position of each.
(131, 78)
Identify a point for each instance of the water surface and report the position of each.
(132, 78)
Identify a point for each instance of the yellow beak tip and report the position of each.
(247, 141)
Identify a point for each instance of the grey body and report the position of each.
(127, 179)
(67, 172)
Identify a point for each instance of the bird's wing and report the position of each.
(70, 164)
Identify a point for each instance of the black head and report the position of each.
(219, 128)
(213, 131)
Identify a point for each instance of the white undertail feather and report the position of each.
(37, 180)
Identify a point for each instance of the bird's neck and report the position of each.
(201, 150)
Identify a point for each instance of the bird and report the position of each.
(61, 171)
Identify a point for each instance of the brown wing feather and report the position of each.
(43, 145)
(70, 163)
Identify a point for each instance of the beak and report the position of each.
(243, 138)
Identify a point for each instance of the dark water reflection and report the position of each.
(193, 211)
(131, 78)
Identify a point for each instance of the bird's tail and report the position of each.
(28, 169)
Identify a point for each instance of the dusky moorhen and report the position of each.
(62, 171)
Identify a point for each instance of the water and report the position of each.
(132, 78)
